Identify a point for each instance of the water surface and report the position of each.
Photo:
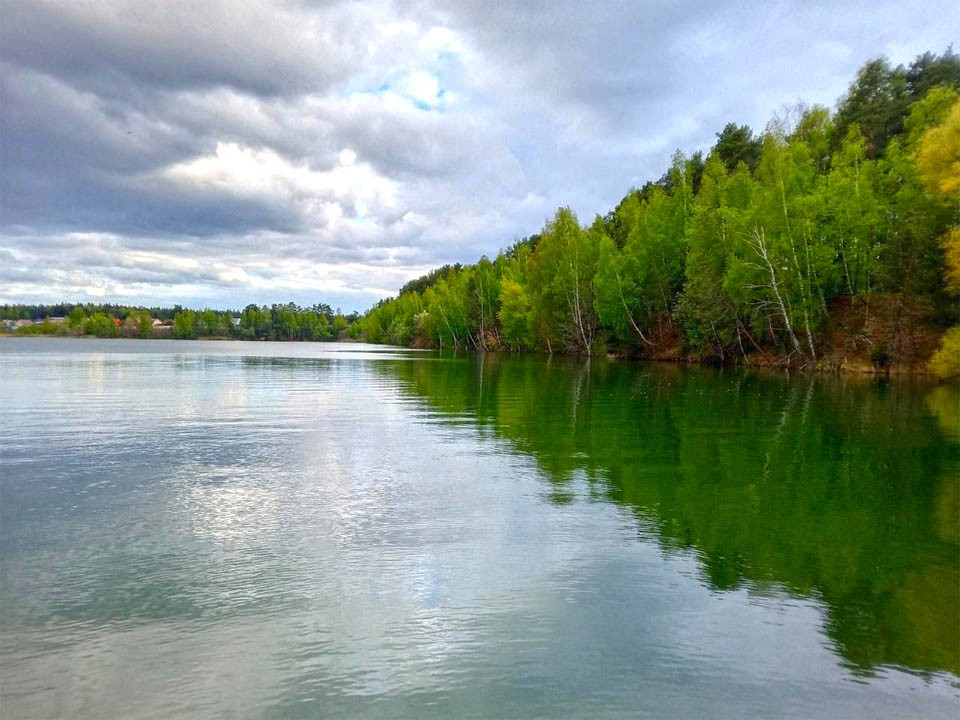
(214, 529)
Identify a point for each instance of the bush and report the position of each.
(100, 325)
(945, 362)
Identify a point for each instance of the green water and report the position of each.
(270, 530)
(844, 490)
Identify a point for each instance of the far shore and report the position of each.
(852, 368)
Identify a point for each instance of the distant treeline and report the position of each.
(39, 312)
(827, 233)
(274, 322)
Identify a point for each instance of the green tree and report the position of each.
(284, 321)
(911, 259)
(312, 326)
(138, 323)
(784, 269)
(736, 144)
(563, 268)
(706, 311)
(877, 102)
(254, 322)
(945, 362)
(929, 112)
(184, 325)
(446, 304)
(815, 128)
(100, 325)
(207, 323)
(650, 269)
(746, 249)
(516, 314)
(938, 158)
(76, 317)
(484, 303)
(403, 327)
(613, 313)
(930, 70)
(850, 212)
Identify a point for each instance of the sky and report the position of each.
(214, 154)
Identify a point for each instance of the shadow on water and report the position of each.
(847, 491)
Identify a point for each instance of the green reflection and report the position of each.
(844, 490)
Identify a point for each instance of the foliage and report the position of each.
(184, 325)
(938, 158)
(561, 278)
(100, 325)
(736, 253)
(284, 322)
(276, 322)
(945, 362)
(77, 316)
(876, 102)
(79, 311)
(735, 145)
(951, 251)
(929, 70)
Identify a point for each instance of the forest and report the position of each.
(830, 240)
(255, 322)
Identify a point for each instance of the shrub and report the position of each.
(945, 362)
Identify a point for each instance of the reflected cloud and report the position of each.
(224, 503)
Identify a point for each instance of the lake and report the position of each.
(264, 530)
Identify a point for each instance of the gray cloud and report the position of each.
(119, 47)
(220, 152)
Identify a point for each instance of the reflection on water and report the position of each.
(843, 490)
(197, 529)
(224, 505)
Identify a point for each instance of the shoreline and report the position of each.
(846, 367)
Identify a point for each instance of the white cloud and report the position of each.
(231, 152)
(342, 194)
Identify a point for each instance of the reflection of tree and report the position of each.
(842, 490)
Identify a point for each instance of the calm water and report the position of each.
(278, 530)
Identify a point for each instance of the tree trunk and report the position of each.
(760, 246)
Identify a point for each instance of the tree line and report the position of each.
(275, 322)
(830, 233)
(25, 311)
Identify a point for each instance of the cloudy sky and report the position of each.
(218, 153)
